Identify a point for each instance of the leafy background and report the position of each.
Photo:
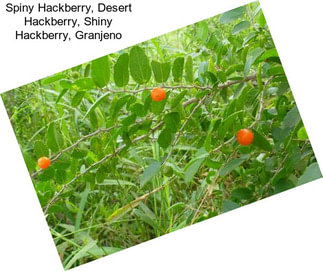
(126, 169)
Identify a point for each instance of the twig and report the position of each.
(55, 157)
(220, 86)
(261, 104)
(182, 128)
(55, 197)
(188, 102)
(223, 144)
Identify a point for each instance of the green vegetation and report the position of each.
(125, 168)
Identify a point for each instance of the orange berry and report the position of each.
(158, 94)
(43, 162)
(245, 137)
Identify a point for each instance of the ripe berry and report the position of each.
(158, 94)
(43, 162)
(245, 137)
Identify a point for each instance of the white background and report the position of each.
(283, 232)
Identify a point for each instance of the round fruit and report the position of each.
(75, 75)
(158, 94)
(168, 171)
(245, 137)
(43, 162)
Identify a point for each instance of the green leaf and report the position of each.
(222, 76)
(61, 94)
(138, 109)
(232, 165)
(252, 57)
(52, 141)
(260, 141)
(149, 172)
(158, 107)
(165, 138)
(232, 15)
(139, 65)
(66, 84)
(79, 153)
(52, 79)
(202, 31)
(189, 69)
(302, 134)
(100, 71)
(213, 164)
(228, 205)
(277, 70)
(46, 175)
(227, 123)
(30, 162)
(83, 84)
(234, 68)
(121, 70)
(261, 19)
(103, 251)
(96, 104)
(193, 166)
(177, 69)
(129, 120)
(116, 182)
(81, 206)
(241, 193)
(172, 121)
(272, 53)
(283, 185)
(77, 98)
(281, 106)
(178, 99)
(161, 71)
(87, 70)
(60, 176)
(240, 26)
(311, 173)
(117, 104)
(80, 254)
(208, 139)
(147, 217)
(40, 149)
(292, 118)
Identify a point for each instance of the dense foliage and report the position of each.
(125, 169)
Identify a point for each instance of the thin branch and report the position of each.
(105, 158)
(55, 157)
(188, 102)
(261, 104)
(182, 128)
(220, 86)
(201, 101)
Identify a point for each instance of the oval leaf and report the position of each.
(139, 65)
(150, 172)
(260, 141)
(232, 165)
(189, 69)
(311, 173)
(240, 26)
(232, 15)
(100, 71)
(96, 104)
(161, 71)
(40, 149)
(177, 69)
(121, 70)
